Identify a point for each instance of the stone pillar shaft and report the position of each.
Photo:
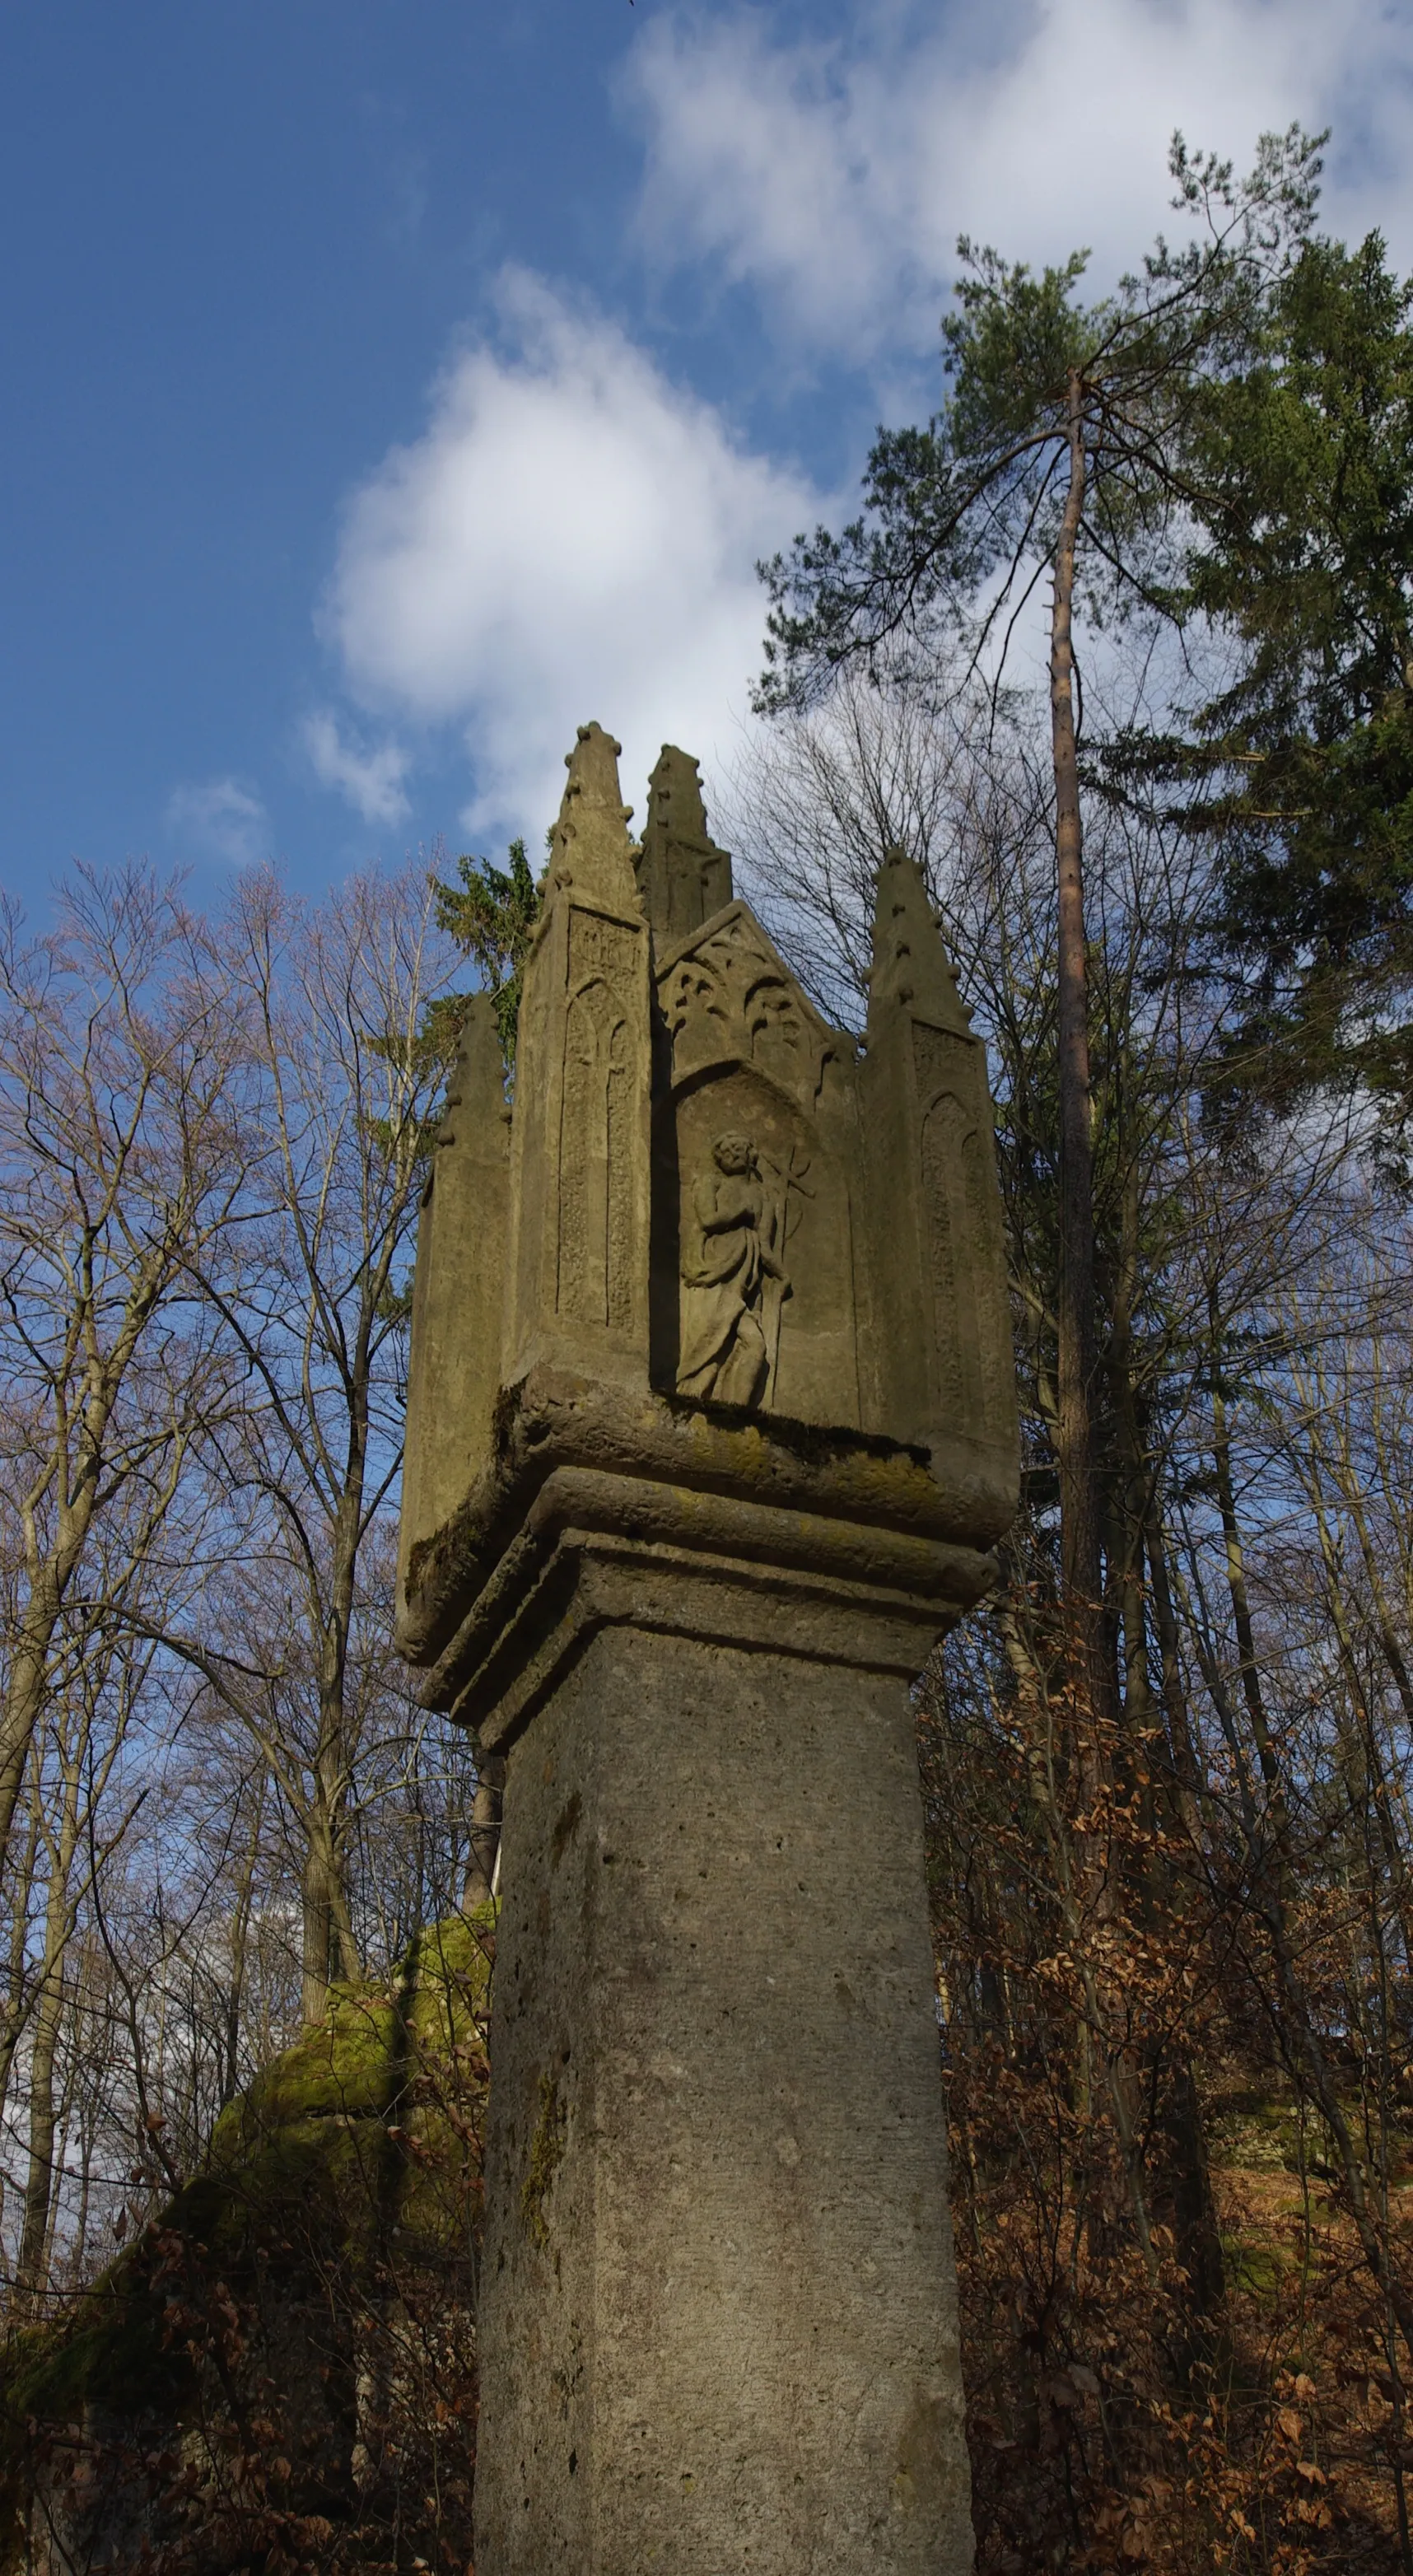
(718, 2326)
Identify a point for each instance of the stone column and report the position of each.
(718, 2325)
(694, 1570)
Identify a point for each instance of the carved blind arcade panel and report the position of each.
(595, 1247)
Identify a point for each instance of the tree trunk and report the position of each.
(485, 1833)
(1130, 1501)
(31, 2267)
(39, 2176)
(24, 1701)
(1079, 1516)
(240, 1939)
(1365, 1752)
(20, 1891)
(1164, 2076)
(317, 1922)
(1181, 1753)
(328, 1946)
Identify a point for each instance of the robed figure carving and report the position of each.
(733, 1279)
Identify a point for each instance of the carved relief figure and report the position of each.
(733, 1278)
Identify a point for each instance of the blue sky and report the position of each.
(391, 384)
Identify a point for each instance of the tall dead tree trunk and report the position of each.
(1079, 1516)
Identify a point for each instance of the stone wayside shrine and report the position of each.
(711, 1426)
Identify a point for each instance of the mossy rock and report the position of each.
(342, 2070)
(110, 2354)
(346, 2144)
(1257, 2269)
(371, 2044)
(1257, 2133)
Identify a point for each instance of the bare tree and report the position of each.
(120, 1066)
(315, 1312)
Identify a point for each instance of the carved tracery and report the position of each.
(729, 995)
(594, 1282)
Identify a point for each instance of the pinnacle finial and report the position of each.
(910, 961)
(684, 877)
(479, 1070)
(590, 849)
(675, 795)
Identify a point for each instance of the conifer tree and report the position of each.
(491, 915)
(1302, 464)
(1063, 449)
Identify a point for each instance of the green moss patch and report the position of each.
(363, 2135)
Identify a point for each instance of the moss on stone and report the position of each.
(546, 2154)
(1258, 2268)
(110, 2354)
(340, 2070)
(356, 2134)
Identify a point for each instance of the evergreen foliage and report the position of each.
(961, 516)
(491, 914)
(1304, 465)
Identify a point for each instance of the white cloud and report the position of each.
(571, 537)
(221, 819)
(370, 780)
(834, 176)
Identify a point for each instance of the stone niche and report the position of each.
(711, 1431)
(747, 1056)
